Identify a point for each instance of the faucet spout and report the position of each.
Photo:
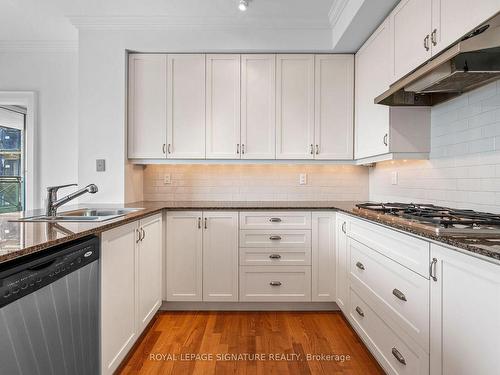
(53, 203)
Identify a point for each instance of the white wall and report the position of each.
(464, 168)
(102, 72)
(53, 75)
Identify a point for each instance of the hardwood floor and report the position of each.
(282, 339)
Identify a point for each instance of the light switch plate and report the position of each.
(394, 178)
(100, 165)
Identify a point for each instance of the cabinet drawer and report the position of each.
(275, 220)
(395, 291)
(275, 284)
(385, 343)
(409, 251)
(275, 238)
(263, 256)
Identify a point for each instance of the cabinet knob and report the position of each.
(275, 283)
(398, 356)
(275, 238)
(360, 265)
(399, 294)
(359, 311)
(275, 256)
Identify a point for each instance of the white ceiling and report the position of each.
(42, 20)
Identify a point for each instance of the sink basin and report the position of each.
(83, 215)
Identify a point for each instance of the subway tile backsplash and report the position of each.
(464, 167)
(255, 182)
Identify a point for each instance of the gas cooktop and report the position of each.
(441, 220)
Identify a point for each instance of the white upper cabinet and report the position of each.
(295, 107)
(220, 256)
(223, 107)
(411, 29)
(451, 19)
(258, 114)
(147, 110)
(186, 107)
(372, 120)
(465, 311)
(334, 97)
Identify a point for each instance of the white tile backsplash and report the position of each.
(464, 167)
(252, 182)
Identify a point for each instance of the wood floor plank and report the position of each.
(284, 338)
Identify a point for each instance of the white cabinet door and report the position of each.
(118, 295)
(342, 265)
(372, 120)
(295, 107)
(186, 107)
(147, 98)
(452, 19)
(223, 107)
(184, 256)
(323, 256)
(411, 29)
(334, 107)
(465, 311)
(258, 107)
(220, 256)
(149, 269)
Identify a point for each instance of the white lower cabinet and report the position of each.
(131, 258)
(220, 256)
(342, 264)
(465, 314)
(323, 256)
(184, 256)
(202, 256)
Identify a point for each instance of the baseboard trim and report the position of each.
(248, 306)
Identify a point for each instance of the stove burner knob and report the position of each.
(24, 286)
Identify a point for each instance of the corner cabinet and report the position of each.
(131, 275)
(465, 311)
(385, 133)
(147, 110)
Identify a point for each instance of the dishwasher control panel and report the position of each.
(22, 279)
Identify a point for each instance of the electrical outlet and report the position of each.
(394, 178)
(303, 179)
(167, 179)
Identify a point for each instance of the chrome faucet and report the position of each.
(53, 203)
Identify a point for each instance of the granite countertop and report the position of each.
(22, 238)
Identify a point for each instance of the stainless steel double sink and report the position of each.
(83, 215)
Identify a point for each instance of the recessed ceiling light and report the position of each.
(243, 5)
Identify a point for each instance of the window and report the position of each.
(12, 158)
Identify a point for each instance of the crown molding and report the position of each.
(194, 22)
(38, 45)
(336, 11)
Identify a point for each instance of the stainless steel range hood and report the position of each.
(471, 62)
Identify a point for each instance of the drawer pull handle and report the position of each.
(360, 266)
(275, 238)
(359, 311)
(275, 283)
(275, 256)
(432, 269)
(399, 294)
(275, 220)
(398, 356)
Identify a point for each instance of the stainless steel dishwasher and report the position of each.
(49, 311)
